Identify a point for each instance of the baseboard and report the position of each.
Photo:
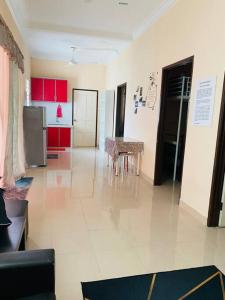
(193, 212)
(146, 177)
(143, 175)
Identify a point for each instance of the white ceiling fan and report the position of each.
(74, 61)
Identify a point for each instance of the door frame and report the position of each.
(159, 143)
(215, 202)
(96, 128)
(118, 96)
(114, 107)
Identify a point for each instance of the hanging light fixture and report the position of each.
(73, 61)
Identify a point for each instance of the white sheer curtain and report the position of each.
(20, 166)
(12, 158)
(4, 105)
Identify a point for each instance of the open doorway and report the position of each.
(85, 117)
(175, 95)
(120, 109)
(105, 116)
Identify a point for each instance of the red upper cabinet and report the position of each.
(61, 90)
(49, 90)
(37, 89)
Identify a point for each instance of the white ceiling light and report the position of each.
(123, 3)
(73, 61)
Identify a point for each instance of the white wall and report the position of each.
(79, 76)
(188, 28)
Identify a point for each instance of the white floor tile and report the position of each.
(102, 226)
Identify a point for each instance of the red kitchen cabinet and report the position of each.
(59, 137)
(53, 137)
(65, 137)
(37, 89)
(49, 90)
(61, 90)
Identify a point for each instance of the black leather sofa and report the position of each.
(18, 208)
(13, 237)
(27, 275)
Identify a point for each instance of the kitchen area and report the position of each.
(48, 120)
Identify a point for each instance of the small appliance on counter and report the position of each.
(35, 137)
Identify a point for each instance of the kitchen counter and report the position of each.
(59, 135)
(59, 125)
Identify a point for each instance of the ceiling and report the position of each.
(100, 28)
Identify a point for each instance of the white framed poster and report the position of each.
(204, 102)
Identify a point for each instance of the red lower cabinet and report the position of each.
(59, 137)
(53, 137)
(65, 138)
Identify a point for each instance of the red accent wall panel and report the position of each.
(61, 90)
(65, 137)
(53, 137)
(37, 89)
(49, 90)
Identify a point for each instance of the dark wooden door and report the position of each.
(120, 109)
(168, 122)
(215, 203)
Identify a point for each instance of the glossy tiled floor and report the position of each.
(103, 227)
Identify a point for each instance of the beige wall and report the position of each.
(5, 13)
(78, 76)
(188, 28)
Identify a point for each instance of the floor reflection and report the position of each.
(103, 226)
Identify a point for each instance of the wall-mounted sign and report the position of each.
(204, 102)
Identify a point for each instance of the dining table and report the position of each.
(115, 146)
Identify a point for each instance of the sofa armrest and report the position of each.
(25, 273)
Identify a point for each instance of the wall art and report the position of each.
(138, 98)
(151, 95)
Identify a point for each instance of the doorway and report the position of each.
(120, 109)
(216, 214)
(171, 138)
(105, 116)
(85, 117)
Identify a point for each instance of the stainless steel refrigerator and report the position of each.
(35, 137)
